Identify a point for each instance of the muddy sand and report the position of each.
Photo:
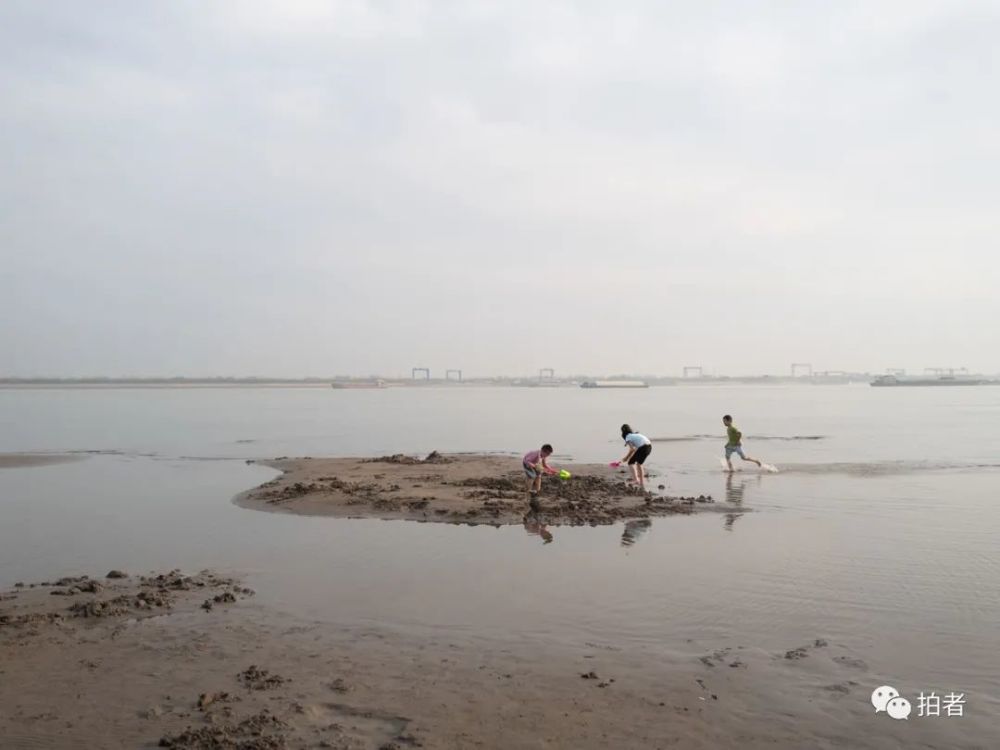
(194, 662)
(478, 489)
(30, 460)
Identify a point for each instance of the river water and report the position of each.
(880, 532)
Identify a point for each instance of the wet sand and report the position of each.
(193, 662)
(29, 460)
(480, 489)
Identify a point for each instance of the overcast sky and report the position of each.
(309, 188)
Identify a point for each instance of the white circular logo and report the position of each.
(882, 695)
(898, 708)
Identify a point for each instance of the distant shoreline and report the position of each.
(386, 384)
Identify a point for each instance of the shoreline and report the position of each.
(463, 489)
(193, 662)
(31, 460)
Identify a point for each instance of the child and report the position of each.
(639, 448)
(735, 444)
(534, 463)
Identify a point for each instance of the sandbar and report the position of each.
(460, 488)
(29, 460)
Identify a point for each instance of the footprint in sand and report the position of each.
(852, 662)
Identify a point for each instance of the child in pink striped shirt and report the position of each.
(534, 463)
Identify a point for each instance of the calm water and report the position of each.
(880, 532)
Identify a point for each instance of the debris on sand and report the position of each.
(395, 458)
(67, 581)
(715, 658)
(262, 731)
(803, 651)
(255, 678)
(401, 458)
(842, 688)
(436, 458)
(117, 607)
(207, 699)
(124, 598)
(226, 597)
(852, 662)
(358, 491)
(153, 712)
(116, 574)
(496, 484)
(27, 620)
(74, 586)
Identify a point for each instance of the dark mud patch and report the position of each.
(262, 731)
(584, 499)
(400, 458)
(206, 700)
(116, 597)
(359, 492)
(255, 678)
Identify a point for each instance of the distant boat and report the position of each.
(356, 384)
(614, 384)
(892, 381)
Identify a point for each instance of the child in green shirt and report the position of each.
(735, 443)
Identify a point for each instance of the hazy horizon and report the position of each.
(443, 375)
(365, 187)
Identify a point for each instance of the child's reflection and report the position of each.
(734, 495)
(634, 530)
(734, 490)
(536, 528)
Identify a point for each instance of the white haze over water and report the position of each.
(294, 188)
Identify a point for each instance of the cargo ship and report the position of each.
(892, 381)
(358, 384)
(613, 384)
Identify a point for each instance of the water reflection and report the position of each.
(730, 520)
(634, 530)
(535, 527)
(735, 489)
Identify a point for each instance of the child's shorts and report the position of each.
(530, 471)
(737, 449)
(640, 456)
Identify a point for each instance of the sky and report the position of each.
(305, 188)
